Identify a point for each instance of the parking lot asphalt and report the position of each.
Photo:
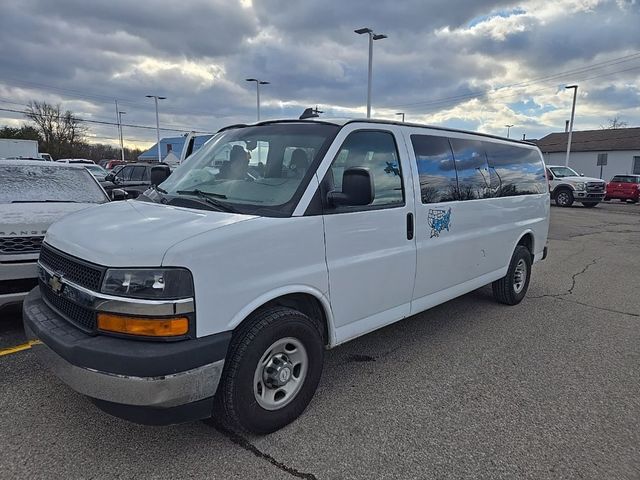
(470, 389)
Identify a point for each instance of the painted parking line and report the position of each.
(19, 348)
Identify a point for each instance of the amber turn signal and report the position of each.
(148, 327)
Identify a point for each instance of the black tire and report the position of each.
(235, 399)
(504, 290)
(564, 197)
(590, 204)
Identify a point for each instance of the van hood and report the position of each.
(33, 219)
(132, 233)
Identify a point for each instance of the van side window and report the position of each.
(472, 169)
(436, 169)
(376, 151)
(515, 170)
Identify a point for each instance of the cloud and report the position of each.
(445, 62)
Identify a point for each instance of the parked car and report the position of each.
(76, 160)
(624, 187)
(109, 164)
(34, 194)
(235, 279)
(97, 171)
(567, 186)
(135, 178)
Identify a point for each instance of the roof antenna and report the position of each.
(310, 113)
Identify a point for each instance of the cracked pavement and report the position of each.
(469, 389)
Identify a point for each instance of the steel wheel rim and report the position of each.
(563, 198)
(280, 373)
(519, 276)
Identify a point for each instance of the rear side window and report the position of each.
(436, 168)
(472, 169)
(514, 170)
(138, 173)
(125, 173)
(376, 151)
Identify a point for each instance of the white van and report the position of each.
(219, 291)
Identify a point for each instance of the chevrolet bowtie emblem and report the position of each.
(55, 282)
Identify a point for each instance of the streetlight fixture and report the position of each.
(509, 129)
(573, 112)
(372, 36)
(401, 113)
(120, 113)
(258, 83)
(156, 98)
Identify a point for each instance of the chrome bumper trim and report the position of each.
(162, 392)
(113, 304)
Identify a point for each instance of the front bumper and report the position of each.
(585, 196)
(145, 382)
(16, 280)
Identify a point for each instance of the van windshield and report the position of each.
(249, 169)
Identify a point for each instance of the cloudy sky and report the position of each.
(477, 65)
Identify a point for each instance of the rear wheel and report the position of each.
(564, 198)
(590, 204)
(512, 288)
(271, 372)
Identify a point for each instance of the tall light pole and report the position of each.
(120, 113)
(156, 98)
(258, 83)
(573, 112)
(509, 129)
(401, 113)
(372, 36)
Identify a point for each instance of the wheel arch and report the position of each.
(527, 239)
(562, 186)
(304, 298)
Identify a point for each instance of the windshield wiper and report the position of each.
(210, 198)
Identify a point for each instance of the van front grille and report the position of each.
(84, 318)
(77, 271)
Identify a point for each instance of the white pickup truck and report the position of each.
(567, 186)
(33, 195)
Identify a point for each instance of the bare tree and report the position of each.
(614, 123)
(62, 132)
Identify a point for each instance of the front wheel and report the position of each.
(564, 198)
(590, 204)
(271, 372)
(512, 288)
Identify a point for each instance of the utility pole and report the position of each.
(573, 112)
(120, 113)
(401, 113)
(156, 98)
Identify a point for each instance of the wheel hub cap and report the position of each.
(277, 372)
(519, 276)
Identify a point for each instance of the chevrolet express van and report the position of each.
(218, 292)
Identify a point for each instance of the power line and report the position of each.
(443, 103)
(104, 122)
(479, 93)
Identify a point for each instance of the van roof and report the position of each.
(341, 122)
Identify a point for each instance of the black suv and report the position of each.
(135, 178)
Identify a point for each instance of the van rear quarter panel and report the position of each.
(239, 268)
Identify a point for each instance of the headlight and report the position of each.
(579, 186)
(148, 283)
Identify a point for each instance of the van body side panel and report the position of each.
(236, 268)
(461, 242)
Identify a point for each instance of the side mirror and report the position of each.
(118, 194)
(110, 177)
(159, 174)
(582, 174)
(357, 188)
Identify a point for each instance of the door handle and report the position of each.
(409, 226)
